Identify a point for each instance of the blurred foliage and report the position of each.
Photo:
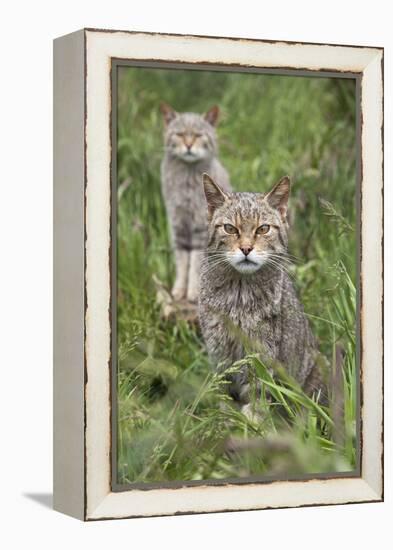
(171, 425)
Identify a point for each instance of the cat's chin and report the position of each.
(247, 267)
(190, 159)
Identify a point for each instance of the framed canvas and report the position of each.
(218, 325)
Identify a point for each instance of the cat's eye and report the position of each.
(180, 134)
(230, 229)
(263, 229)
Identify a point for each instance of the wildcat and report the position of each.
(190, 149)
(246, 297)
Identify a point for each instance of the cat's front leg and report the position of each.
(193, 275)
(182, 259)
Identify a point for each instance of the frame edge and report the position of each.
(68, 288)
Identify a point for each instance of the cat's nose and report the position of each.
(246, 250)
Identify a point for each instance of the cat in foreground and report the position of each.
(247, 300)
(190, 149)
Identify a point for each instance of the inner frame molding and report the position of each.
(92, 429)
(168, 65)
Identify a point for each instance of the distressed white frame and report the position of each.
(100, 48)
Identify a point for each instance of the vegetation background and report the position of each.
(170, 423)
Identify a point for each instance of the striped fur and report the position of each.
(252, 308)
(190, 149)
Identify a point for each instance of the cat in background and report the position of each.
(190, 149)
(247, 298)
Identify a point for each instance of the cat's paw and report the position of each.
(252, 413)
(193, 295)
(179, 293)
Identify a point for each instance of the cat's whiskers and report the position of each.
(281, 257)
(213, 256)
(282, 268)
(218, 263)
(277, 262)
(286, 258)
(214, 260)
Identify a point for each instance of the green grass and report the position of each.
(171, 423)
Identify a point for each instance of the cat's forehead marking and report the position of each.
(248, 208)
(191, 122)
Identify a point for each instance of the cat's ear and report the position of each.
(167, 112)
(212, 115)
(279, 195)
(215, 196)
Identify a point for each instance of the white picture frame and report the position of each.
(82, 257)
